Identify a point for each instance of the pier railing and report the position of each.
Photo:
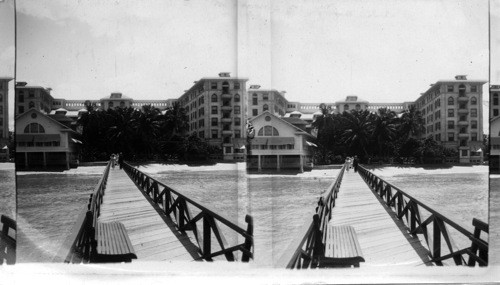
(178, 207)
(7, 240)
(305, 251)
(80, 246)
(435, 228)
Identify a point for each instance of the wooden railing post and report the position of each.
(319, 249)
(248, 243)
(436, 241)
(207, 234)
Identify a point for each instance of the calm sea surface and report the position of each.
(279, 203)
(7, 190)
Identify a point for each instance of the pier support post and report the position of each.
(278, 162)
(259, 163)
(301, 163)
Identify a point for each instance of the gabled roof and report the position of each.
(294, 120)
(63, 127)
(299, 130)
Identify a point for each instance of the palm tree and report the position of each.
(122, 131)
(149, 123)
(384, 129)
(175, 121)
(412, 123)
(357, 131)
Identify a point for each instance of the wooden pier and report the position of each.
(132, 216)
(384, 240)
(152, 237)
(366, 221)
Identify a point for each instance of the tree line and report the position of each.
(380, 136)
(144, 134)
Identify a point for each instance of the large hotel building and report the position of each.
(4, 117)
(218, 108)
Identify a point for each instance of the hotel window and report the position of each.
(31, 94)
(449, 88)
(495, 112)
(201, 111)
(30, 144)
(34, 128)
(237, 110)
(201, 100)
(215, 134)
(214, 110)
(495, 99)
(236, 98)
(237, 134)
(473, 137)
(201, 123)
(237, 85)
(214, 97)
(20, 109)
(1, 110)
(451, 101)
(358, 107)
(263, 146)
(56, 143)
(290, 146)
(451, 113)
(215, 122)
(213, 85)
(451, 137)
(473, 124)
(473, 88)
(255, 99)
(273, 146)
(473, 112)
(227, 140)
(265, 108)
(31, 105)
(1, 97)
(265, 96)
(237, 121)
(122, 104)
(21, 144)
(346, 107)
(473, 101)
(39, 144)
(47, 144)
(438, 137)
(255, 112)
(110, 105)
(201, 134)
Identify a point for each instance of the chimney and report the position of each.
(283, 92)
(461, 77)
(224, 74)
(254, 86)
(21, 83)
(48, 89)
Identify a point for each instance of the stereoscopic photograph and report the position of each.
(334, 137)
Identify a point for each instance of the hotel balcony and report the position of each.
(227, 120)
(463, 123)
(226, 108)
(226, 96)
(463, 135)
(463, 111)
(463, 99)
(227, 132)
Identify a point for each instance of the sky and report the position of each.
(317, 51)
(7, 50)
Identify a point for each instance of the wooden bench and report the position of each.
(341, 248)
(7, 241)
(113, 243)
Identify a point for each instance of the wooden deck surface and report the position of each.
(383, 238)
(153, 237)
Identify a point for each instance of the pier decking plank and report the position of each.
(152, 237)
(383, 239)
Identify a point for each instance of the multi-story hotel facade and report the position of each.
(452, 110)
(216, 109)
(4, 107)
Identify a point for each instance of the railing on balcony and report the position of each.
(411, 212)
(80, 246)
(178, 207)
(305, 251)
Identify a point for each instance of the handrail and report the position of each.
(408, 210)
(80, 245)
(7, 241)
(177, 205)
(304, 251)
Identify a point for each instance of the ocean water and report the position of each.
(48, 206)
(8, 190)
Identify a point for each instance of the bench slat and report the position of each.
(342, 247)
(113, 243)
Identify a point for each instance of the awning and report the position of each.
(273, 141)
(38, 138)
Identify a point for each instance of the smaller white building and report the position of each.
(42, 142)
(278, 144)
